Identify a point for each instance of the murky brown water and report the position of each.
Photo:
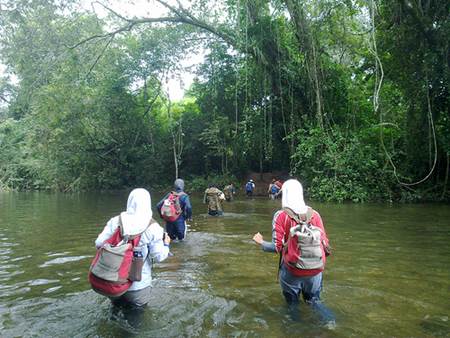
(389, 275)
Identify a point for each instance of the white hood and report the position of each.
(292, 197)
(139, 212)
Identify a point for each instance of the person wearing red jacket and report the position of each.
(299, 274)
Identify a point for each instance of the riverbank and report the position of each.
(318, 191)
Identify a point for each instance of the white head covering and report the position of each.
(139, 212)
(292, 197)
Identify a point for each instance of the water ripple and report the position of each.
(63, 260)
(42, 281)
(21, 258)
(54, 254)
(50, 290)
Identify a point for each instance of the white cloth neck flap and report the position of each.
(139, 212)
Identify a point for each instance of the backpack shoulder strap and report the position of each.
(291, 214)
(178, 194)
(300, 217)
(120, 226)
(309, 214)
(152, 221)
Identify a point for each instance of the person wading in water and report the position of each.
(175, 208)
(299, 236)
(249, 187)
(214, 197)
(134, 229)
(229, 192)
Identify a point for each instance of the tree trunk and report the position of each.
(175, 157)
(307, 46)
(174, 139)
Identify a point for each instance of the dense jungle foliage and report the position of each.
(351, 97)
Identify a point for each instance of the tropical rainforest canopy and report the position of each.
(350, 96)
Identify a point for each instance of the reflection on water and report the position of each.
(388, 276)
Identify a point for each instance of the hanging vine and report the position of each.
(379, 76)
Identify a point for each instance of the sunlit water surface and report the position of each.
(389, 275)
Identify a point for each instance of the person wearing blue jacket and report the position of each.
(177, 229)
(249, 187)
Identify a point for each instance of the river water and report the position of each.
(389, 275)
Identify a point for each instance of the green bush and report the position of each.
(338, 167)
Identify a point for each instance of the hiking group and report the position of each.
(130, 241)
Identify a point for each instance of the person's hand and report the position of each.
(166, 239)
(258, 238)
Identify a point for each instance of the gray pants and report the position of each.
(136, 298)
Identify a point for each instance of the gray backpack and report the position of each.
(303, 249)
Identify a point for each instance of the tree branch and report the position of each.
(3, 98)
(99, 56)
(112, 11)
(180, 16)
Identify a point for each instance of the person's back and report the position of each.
(213, 197)
(152, 245)
(273, 189)
(177, 228)
(299, 236)
(249, 187)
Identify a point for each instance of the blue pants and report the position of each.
(177, 229)
(309, 287)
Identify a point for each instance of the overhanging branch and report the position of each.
(181, 16)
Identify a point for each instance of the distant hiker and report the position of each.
(249, 187)
(273, 190)
(214, 197)
(229, 192)
(126, 247)
(175, 208)
(299, 236)
(279, 185)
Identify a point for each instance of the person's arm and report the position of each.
(158, 247)
(221, 195)
(268, 246)
(107, 232)
(187, 207)
(276, 245)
